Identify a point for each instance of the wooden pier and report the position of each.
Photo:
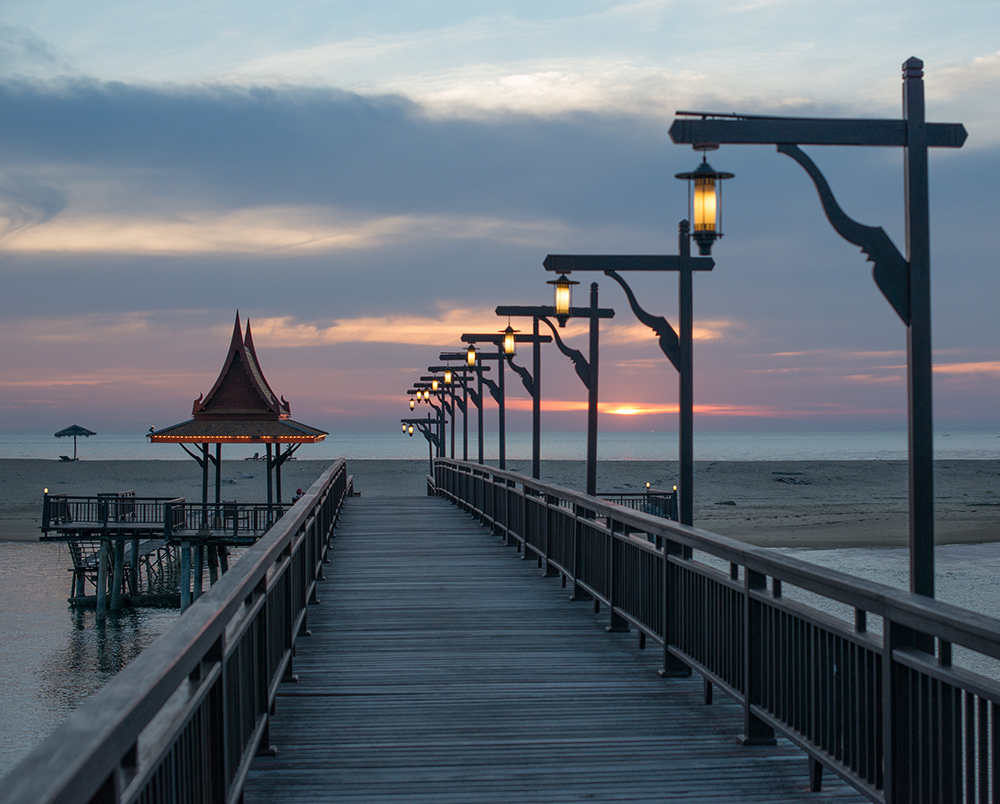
(442, 668)
(406, 651)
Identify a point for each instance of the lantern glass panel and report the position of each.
(705, 204)
(509, 343)
(564, 292)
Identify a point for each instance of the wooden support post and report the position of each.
(223, 558)
(133, 581)
(213, 564)
(102, 581)
(185, 576)
(118, 575)
(199, 569)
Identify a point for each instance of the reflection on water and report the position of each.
(51, 656)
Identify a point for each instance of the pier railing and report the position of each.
(182, 722)
(894, 692)
(123, 511)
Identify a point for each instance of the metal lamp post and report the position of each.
(496, 388)
(678, 347)
(904, 281)
(587, 370)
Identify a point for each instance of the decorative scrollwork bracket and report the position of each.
(891, 271)
(669, 341)
(580, 363)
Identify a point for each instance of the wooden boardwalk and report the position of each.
(444, 669)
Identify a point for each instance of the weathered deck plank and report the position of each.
(443, 669)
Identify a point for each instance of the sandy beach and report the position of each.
(812, 504)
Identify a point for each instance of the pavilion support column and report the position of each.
(223, 558)
(218, 481)
(277, 476)
(204, 485)
(270, 490)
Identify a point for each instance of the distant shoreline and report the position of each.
(831, 503)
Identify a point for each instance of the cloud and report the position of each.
(24, 54)
(984, 367)
(25, 203)
(261, 231)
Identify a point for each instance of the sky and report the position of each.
(366, 182)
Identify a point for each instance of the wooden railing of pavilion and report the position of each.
(855, 692)
(183, 721)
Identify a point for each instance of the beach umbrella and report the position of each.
(75, 430)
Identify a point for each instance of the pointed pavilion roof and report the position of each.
(241, 405)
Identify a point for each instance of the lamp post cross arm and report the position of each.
(496, 338)
(567, 263)
(580, 363)
(544, 310)
(730, 129)
(669, 341)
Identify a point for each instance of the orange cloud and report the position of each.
(263, 231)
(982, 367)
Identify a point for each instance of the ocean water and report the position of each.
(52, 657)
(645, 446)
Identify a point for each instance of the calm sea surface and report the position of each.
(52, 658)
(651, 446)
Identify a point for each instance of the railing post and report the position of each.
(617, 624)
(578, 592)
(672, 666)
(755, 730)
(549, 501)
(896, 714)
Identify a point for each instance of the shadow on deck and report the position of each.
(444, 669)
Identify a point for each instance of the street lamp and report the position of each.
(470, 355)
(586, 370)
(447, 376)
(678, 346)
(510, 341)
(563, 288)
(413, 404)
(903, 280)
(705, 204)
